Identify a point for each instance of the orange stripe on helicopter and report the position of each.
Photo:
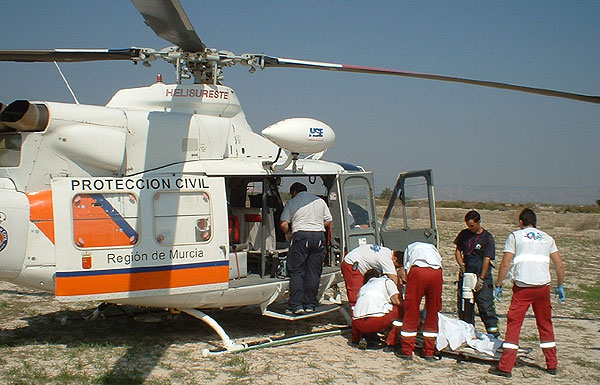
(40, 212)
(126, 280)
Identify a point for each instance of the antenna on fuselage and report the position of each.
(66, 83)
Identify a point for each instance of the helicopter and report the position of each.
(165, 197)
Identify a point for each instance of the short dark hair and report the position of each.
(371, 273)
(527, 216)
(472, 215)
(297, 187)
(399, 254)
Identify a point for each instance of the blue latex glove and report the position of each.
(560, 293)
(498, 293)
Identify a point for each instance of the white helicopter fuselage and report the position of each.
(128, 203)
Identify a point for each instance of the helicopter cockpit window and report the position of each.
(358, 204)
(10, 149)
(105, 220)
(182, 218)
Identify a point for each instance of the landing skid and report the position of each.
(227, 342)
(232, 347)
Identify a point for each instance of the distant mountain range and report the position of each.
(564, 195)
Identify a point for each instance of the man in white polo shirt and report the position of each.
(306, 216)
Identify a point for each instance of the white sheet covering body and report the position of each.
(456, 333)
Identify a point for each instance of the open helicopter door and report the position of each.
(410, 215)
(159, 235)
(357, 209)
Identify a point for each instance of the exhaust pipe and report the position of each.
(25, 116)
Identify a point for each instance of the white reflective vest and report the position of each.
(531, 263)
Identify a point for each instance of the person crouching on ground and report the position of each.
(378, 305)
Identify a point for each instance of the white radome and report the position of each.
(301, 135)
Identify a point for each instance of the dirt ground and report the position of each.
(42, 341)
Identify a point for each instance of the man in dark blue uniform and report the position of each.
(475, 249)
(306, 216)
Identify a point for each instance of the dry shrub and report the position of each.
(586, 224)
(416, 213)
(449, 215)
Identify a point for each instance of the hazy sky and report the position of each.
(469, 136)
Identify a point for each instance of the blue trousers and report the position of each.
(485, 304)
(305, 265)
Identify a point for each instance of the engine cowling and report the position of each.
(22, 115)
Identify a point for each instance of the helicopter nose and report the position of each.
(14, 223)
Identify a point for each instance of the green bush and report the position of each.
(386, 193)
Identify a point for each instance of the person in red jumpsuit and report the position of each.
(422, 267)
(530, 250)
(379, 304)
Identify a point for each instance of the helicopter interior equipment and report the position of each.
(165, 197)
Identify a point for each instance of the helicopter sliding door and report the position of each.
(357, 209)
(119, 238)
(410, 215)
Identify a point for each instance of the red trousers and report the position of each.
(353, 280)
(539, 298)
(377, 324)
(421, 281)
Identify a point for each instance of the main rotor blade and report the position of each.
(270, 61)
(69, 55)
(169, 21)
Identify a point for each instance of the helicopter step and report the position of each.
(279, 312)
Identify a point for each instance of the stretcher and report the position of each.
(466, 352)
